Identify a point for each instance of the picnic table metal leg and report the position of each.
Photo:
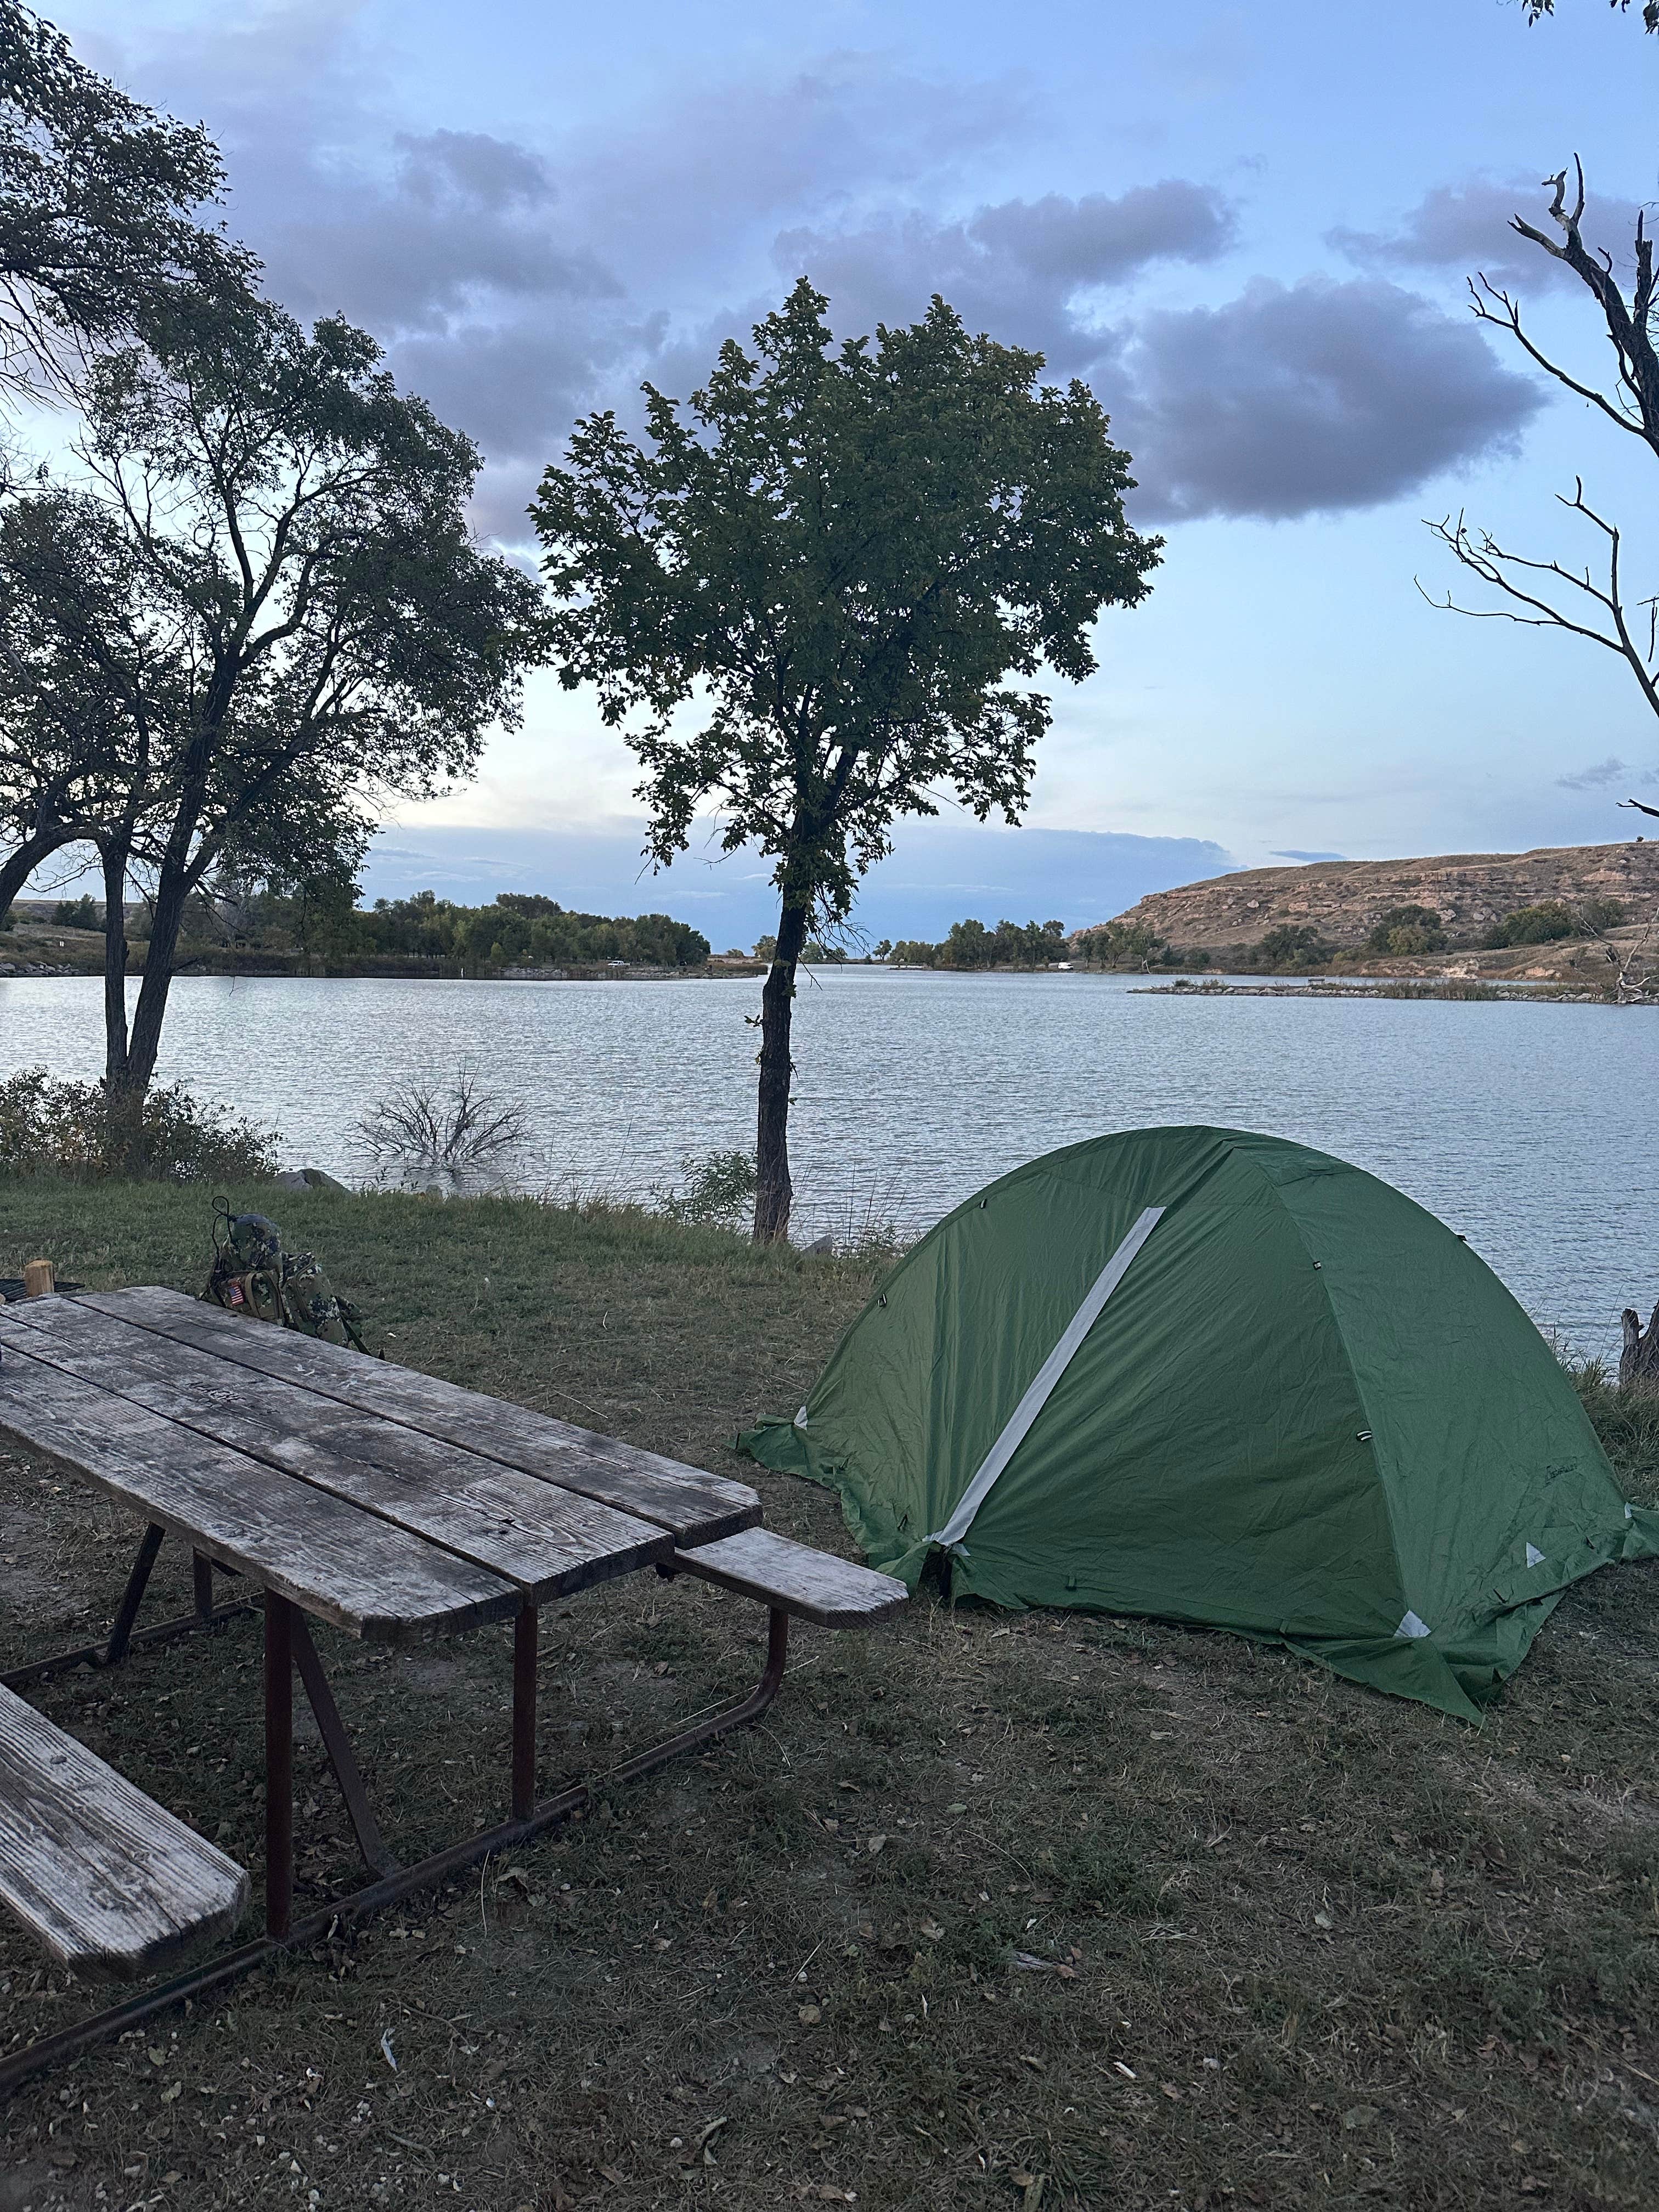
(525, 1640)
(132, 1597)
(337, 1744)
(281, 1654)
(279, 1766)
(124, 1637)
(201, 1579)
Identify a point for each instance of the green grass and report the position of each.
(1291, 1943)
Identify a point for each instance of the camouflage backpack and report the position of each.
(252, 1275)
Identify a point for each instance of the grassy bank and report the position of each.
(991, 1911)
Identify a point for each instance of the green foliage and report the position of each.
(814, 952)
(919, 521)
(97, 201)
(1603, 913)
(1119, 945)
(522, 928)
(1293, 944)
(1407, 929)
(851, 563)
(970, 944)
(273, 596)
(716, 1190)
(1548, 923)
(53, 1128)
(77, 914)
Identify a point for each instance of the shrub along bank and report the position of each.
(994, 1910)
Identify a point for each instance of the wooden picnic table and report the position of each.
(395, 1506)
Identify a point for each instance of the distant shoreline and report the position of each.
(1450, 990)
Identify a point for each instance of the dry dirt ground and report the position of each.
(989, 1912)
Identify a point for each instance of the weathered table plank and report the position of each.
(108, 1881)
(547, 1540)
(813, 1585)
(694, 1507)
(375, 1581)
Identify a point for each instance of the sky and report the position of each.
(1249, 229)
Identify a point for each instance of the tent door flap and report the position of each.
(1036, 1396)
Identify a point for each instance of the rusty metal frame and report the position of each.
(123, 1636)
(288, 1646)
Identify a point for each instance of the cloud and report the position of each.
(939, 873)
(1604, 773)
(518, 286)
(1022, 268)
(1285, 401)
(696, 181)
(1309, 856)
(1311, 398)
(1467, 227)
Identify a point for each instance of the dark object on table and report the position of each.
(12, 1288)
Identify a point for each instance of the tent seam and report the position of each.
(1354, 1375)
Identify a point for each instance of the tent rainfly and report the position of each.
(1218, 1378)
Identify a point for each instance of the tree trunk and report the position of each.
(167, 919)
(1639, 1363)
(773, 1190)
(115, 966)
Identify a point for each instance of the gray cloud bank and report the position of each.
(518, 288)
(1603, 775)
(1466, 229)
(941, 871)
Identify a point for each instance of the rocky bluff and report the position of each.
(1344, 900)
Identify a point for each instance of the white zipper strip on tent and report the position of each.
(1053, 1368)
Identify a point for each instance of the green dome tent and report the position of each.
(1220, 1378)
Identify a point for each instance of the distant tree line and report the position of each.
(522, 929)
(516, 929)
(971, 944)
(1132, 945)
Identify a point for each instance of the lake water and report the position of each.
(1525, 1125)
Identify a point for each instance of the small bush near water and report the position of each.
(53, 1128)
(717, 1190)
(458, 1128)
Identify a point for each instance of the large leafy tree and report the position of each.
(99, 198)
(820, 595)
(266, 580)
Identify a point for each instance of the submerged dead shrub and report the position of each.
(49, 1127)
(459, 1127)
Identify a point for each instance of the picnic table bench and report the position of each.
(393, 1505)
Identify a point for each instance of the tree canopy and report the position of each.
(821, 593)
(267, 576)
(99, 202)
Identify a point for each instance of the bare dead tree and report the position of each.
(1591, 602)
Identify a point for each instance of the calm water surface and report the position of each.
(1524, 1126)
